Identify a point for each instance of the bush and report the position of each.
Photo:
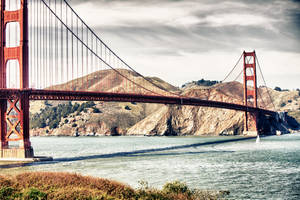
(47, 103)
(278, 89)
(53, 124)
(127, 108)
(96, 110)
(282, 104)
(6, 193)
(176, 187)
(74, 125)
(35, 194)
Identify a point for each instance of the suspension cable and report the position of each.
(148, 80)
(265, 83)
(233, 68)
(88, 48)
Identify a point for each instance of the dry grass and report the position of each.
(46, 185)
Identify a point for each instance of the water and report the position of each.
(269, 169)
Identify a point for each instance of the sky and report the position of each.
(185, 40)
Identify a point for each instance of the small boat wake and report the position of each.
(257, 139)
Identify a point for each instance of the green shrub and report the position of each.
(278, 89)
(176, 187)
(6, 193)
(282, 104)
(35, 194)
(96, 110)
(53, 124)
(127, 108)
(74, 125)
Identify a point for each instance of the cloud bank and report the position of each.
(204, 37)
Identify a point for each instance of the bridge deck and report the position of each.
(34, 94)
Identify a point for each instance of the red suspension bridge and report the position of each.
(47, 52)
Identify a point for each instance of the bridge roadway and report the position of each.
(36, 94)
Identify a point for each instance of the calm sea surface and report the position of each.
(267, 170)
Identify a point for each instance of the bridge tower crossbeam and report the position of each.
(14, 111)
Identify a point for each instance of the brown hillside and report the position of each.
(154, 119)
(115, 117)
(116, 81)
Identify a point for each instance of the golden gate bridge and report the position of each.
(47, 52)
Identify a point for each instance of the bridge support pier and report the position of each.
(250, 124)
(15, 143)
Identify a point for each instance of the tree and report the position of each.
(278, 89)
(96, 110)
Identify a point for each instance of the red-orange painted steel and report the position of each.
(250, 92)
(35, 94)
(15, 116)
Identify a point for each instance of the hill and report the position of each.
(111, 118)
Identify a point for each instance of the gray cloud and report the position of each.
(281, 32)
(196, 27)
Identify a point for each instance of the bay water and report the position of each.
(269, 169)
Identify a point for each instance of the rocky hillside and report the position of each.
(189, 120)
(113, 118)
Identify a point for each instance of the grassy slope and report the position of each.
(46, 185)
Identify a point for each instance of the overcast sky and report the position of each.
(185, 40)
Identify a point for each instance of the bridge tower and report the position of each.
(250, 92)
(14, 110)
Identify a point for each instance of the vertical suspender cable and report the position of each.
(61, 44)
(36, 45)
(45, 49)
(265, 82)
(40, 34)
(67, 45)
(82, 60)
(56, 48)
(87, 59)
(92, 58)
(51, 47)
(97, 63)
(72, 51)
(77, 52)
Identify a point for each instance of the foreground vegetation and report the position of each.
(46, 185)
